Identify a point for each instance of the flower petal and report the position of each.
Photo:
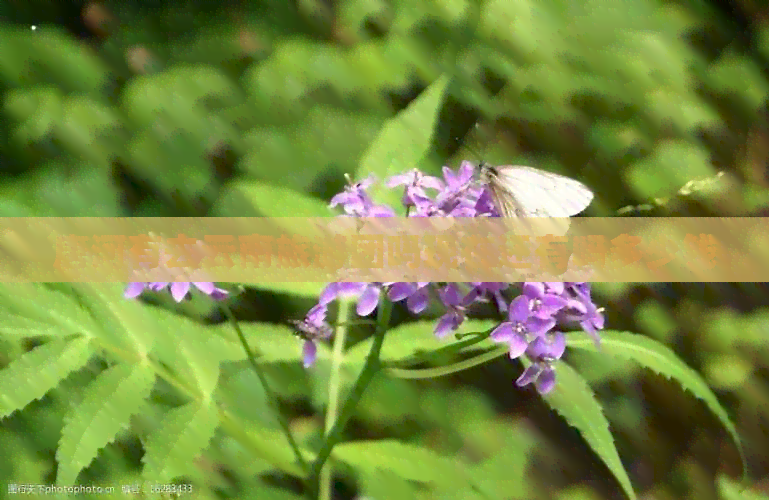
(207, 287)
(546, 381)
(418, 302)
(309, 353)
(368, 300)
(400, 291)
(529, 375)
(448, 323)
(538, 327)
(548, 347)
(534, 289)
(135, 289)
(179, 290)
(502, 333)
(518, 345)
(519, 310)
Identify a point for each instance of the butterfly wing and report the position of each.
(529, 192)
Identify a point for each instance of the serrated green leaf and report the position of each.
(124, 324)
(38, 371)
(30, 309)
(403, 142)
(573, 399)
(183, 433)
(407, 461)
(657, 357)
(270, 342)
(107, 406)
(187, 347)
(406, 341)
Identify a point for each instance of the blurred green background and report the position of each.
(198, 108)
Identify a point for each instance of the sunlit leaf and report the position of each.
(657, 357)
(573, 399)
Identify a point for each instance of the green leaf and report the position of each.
(181, 436)
(406, 341)
(385, 484)
(107, 406)
(270, 342)
(38, 371)
(732, 490)
(188, 348)
(264, 492)
(38, 110)
(87, 121)
(30, 309)
(403, 142)
(655, 356)
(125, 325)
(407, 461)
(61, 57)
(175, 92)
(573, 399)
(309, 289)
(267, 200)
(505, 471)
(673, 163)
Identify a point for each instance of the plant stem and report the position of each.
(370, 367)
(267, 391)
(337, 357)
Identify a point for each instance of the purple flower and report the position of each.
(481, 289)
(356, 202)
(456, 306)
(583, 310)
(367, 294)
(543, 352)
(460, 197)
(416, 294)
(543, 304)
(179, 289)
(459, 182)
(311, 328)
(521, 327)
(485, 206)
(416, 182)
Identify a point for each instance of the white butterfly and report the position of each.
(520, 192)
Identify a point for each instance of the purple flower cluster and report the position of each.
(531, 317)
(178, 289)
(456, 195)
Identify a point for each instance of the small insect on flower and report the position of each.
(310, 329)
(519, 191)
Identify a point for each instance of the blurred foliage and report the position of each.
(185, 108)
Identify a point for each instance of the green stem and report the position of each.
(447, 370)
(267, 391)
(337, 357)
(370, 367)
